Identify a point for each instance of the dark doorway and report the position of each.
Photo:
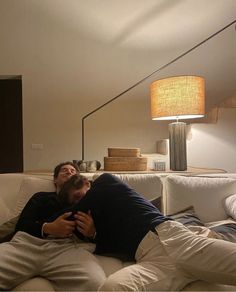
(11, 125)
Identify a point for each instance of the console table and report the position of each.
(190, 171)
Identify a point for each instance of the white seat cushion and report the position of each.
(35, 284)
(4, 212)
(205, 194)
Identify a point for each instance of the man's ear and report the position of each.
(88, 184)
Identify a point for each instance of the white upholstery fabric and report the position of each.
(230, 206)
(204, 286)
(4, 212)
(149, 185)
(205, 194)
(9, 188)
(30, 186)
(35, 284)
(110, 264)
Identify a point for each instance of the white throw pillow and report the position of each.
(4, 212)
(203, 193)
(29, 187)
(230, 206)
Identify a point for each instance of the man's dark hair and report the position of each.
(74, 182)
(59, 166)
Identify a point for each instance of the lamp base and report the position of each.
(177, 145)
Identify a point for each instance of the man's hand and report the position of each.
(85, 224)
(60, 227)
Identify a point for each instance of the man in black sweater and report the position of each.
(168, 255)
(41, 206)
(49, 249)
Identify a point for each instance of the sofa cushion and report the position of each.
(110, 264)
(35, 284)
(230, 206)
(148, 185)
(157, 202)
(7, 230)
(204, 286)
(4, 212)
(227, 231)
(30, 186)
(187, 217)
(225, 228)
(205, 194)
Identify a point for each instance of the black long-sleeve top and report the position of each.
(36, 212)
(122, 217)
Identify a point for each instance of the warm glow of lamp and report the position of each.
(180, 97)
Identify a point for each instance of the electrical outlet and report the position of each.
(37, 146)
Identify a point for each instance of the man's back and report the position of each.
(122, 216)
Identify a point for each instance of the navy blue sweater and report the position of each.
(122, 217)
(38, 209)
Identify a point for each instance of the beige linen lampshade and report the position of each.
(180, 97)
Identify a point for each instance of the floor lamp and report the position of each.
(142, 80)
(175, 98)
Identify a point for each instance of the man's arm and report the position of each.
(59, 228)
(31, 220)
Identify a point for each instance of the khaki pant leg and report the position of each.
(71, 267)
(19, 260)
(212, 260)
(153, 271)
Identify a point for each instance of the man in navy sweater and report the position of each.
(42, 205)
(168, 255)
(49, 249)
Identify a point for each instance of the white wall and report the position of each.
(214, 145)
(66, 74)
(124, 123)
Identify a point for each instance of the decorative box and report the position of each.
(125, 163)
(123, 152)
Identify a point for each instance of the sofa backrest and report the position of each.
(9, 188)
(148, 185)
(17, 189)
(29, 186)
(205, 194)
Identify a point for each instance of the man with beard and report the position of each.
(168, 255)
(50, 250)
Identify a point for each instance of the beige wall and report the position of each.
(66, 74)
(125, 123)
(214, 145)
(122, 124)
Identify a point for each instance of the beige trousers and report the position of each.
(174, 258)
(64, 262)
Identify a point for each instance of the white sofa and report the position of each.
(177, 193)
